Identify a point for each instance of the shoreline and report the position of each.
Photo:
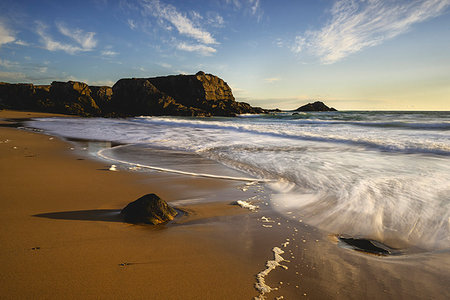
(213, 253)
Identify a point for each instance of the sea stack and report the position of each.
(316, 106)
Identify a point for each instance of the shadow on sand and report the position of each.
(105, 215)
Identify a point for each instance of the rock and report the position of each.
(73, 98)
(178, 95)
(18, 96)
(102, 96)
(366, 245)
(149, 209)
(316, 106)
(138, 96)
(206, 92)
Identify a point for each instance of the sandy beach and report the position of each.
(61, 237)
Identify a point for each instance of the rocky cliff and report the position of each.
(181, 95)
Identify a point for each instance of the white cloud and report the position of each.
(165, 65)
(254, 7)
(86, 40)
(272, 79)
(109, 53)
(132, 24)
(11, 76)
(251, 7)
(21, 43)
(6, 36)
(215, 20)
(7, 64)
(202, 49)
(181, 22)
(358, 24)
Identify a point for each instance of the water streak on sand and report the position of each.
(101, 154)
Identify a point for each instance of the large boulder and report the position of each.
(316, 106)
(149, 209)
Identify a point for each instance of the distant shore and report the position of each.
(61, 236)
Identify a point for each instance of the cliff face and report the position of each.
(181, 95)
(137, 96)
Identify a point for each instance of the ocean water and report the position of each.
(379, 175)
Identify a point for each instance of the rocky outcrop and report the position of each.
(70, 97)
(73, 98)
(179, 95)
(138, 96)
(149, 209)
(102, 96)
(316, 106)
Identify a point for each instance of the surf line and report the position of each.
(102, 155)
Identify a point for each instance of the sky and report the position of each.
(350, 54)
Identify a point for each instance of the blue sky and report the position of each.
(351, 54)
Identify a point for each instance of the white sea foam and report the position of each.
(247, 205)
(260, 284)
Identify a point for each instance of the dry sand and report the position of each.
(60, 237)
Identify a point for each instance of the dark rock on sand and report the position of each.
(366, 245)
(149, 209)
(316, 106)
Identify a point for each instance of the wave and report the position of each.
(369, 180)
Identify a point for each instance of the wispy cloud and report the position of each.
(255, 9)
(215, 20)
(12, 76)
(358, 24)
(165, 65)
(181, 22)
(252, 7)
(21, 43)
(202, 49)
(7, 64)
(109, 53)
(132, 24)
(272, 79)
(6, 36)
(86, 40)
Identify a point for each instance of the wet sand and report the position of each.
(61, 237)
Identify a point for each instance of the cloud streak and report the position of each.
(359, 24)
(85, 41)
(181, 22)
(202, 49)
(6, 36)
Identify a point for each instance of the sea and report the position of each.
(383, 175)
